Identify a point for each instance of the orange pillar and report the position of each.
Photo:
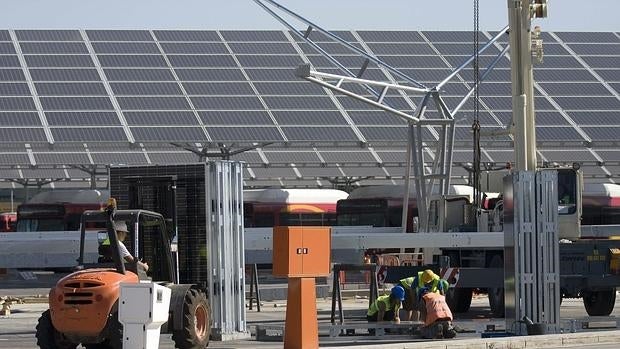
(302, 328)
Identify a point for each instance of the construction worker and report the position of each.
(412, 286)
(386, 307)
(121, 234)
(436, 315)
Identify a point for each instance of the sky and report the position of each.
(564, 15)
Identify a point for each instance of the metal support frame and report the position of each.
(441, 148)
(531, 255)
(373, 289)
(225, 242)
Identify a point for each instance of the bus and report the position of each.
(294, 207)
(600, 204)
(58, 210)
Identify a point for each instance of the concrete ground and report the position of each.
(18, 329)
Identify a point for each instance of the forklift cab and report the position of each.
(147, 240)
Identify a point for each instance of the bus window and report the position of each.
(262, 220)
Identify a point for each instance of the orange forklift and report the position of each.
(83, 306)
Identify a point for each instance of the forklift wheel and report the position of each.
(48, 337)
(197, 321)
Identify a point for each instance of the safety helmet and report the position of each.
(120, 226)
(428, 276)
(398, 292)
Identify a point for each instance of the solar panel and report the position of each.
(595, 49)
(76, 103)
(11, 159)
(485, 61)
(119, 35)
(344, 157)
(218, 88)
(314, 117)
(401, 49)
(554, 49)
(332, 48)
(19, 134)
(270, 61)
(240, 117)
(414, 61)
(575, 89)
(89, 134)
(278, 74)
(243, 134)
(172, 158)
(561, 75)
(59, 61)
(48, 35)
(263, 48)
(53, 48)
(609, 74)
(168, 134)
(293, 103)
(16, 103)
(82, 118)
(289, 88)
(61, 158)
(19, 119)
(12, 75)
(70, 89)
(603, 133)
(125, 47)
(139, 75)
(4, 35)
(9, 61)
(7, 48)
(253, 35)
(557, 134)
(463, 49)
(319, 133)
(319, 172)
(544, 118)
(227, 103)
(595, 117)
(588, 103)
(186, 35)
(162, 118)
(454, 36)
(153, 103)
(132, 61)
(602, 61)
(59, 75)
(142, 89)
(317, 36)
(287, 157)
(215, 61)
(14, 89)
(588, 37)
(390, 36)
(608, 154)
(194, 48)
(226, 75)
(350, 62)
(119, 158)
(567, 155)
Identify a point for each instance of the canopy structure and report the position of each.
(72, 102)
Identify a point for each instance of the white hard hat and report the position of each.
(120, 226)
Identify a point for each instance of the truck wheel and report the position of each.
(459, 299)
(196, 322)
(48, 337)
(496, 295)
(599, 303)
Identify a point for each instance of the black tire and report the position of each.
(459, 299)
(599, 303)
(48, 337)
(496, 295)
(197, 322)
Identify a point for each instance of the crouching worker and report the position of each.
(386, 307)
(436, 315)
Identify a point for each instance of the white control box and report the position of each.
(143, 307)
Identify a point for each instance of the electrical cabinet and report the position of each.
(301, 251)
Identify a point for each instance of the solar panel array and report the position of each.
(74, 100)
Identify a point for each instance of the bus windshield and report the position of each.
(372, 212)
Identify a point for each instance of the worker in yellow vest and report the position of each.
(386, 307)
(436, 315)
(412, 286)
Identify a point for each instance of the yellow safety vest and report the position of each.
(374, 307)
